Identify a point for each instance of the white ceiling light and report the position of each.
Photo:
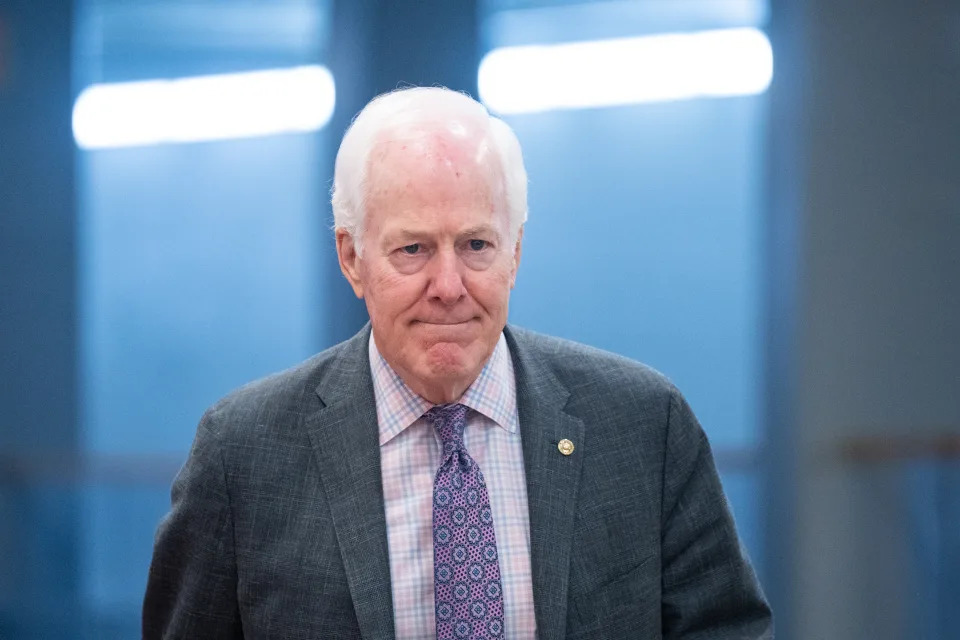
(215, 107)
(674, 66)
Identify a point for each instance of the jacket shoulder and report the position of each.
(582, 367)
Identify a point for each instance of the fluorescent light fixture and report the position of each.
(216, 107)
(671, 66)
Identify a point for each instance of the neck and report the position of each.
(443, 392)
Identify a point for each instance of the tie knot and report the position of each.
(449, 420)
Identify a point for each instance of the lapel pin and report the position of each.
(565, 447)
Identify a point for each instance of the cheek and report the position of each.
(391, 293)
(492, 291)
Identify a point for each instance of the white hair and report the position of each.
(417, 111)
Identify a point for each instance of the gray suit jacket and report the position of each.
(277, 527)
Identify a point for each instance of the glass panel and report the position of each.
(645, 220)
(933, 514)
(199, 268)
(121, 522)
(743, 492)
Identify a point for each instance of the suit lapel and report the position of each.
(345, 440)
(552, 481)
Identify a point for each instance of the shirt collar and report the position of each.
(493, 393)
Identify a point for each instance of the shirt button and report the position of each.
(565, 447)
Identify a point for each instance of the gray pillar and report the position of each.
(867, 181)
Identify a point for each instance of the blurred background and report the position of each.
(759, 198)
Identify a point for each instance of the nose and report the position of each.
(446, 281)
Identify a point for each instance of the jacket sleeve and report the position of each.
(192, 584)
(709, 588)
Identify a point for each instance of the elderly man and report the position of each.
(442, 474)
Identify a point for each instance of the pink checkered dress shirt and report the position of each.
(409, 458)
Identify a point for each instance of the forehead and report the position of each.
(438, 165)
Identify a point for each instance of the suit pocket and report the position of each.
(625, 606)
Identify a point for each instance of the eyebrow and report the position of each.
(479, 230)
(406, 235)
(403, 235)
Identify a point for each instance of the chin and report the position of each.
(447, 359)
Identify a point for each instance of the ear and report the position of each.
(349, 261)
(517, 250)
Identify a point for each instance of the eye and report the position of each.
(478, 245)
(411, 249)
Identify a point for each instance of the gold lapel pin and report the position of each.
(565, 447)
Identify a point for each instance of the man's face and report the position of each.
(438, 263)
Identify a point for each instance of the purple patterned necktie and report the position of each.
(466, 571)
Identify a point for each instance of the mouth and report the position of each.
(444, 323)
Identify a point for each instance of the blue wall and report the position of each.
(199, 272)
(645, 229)
(199, 267)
